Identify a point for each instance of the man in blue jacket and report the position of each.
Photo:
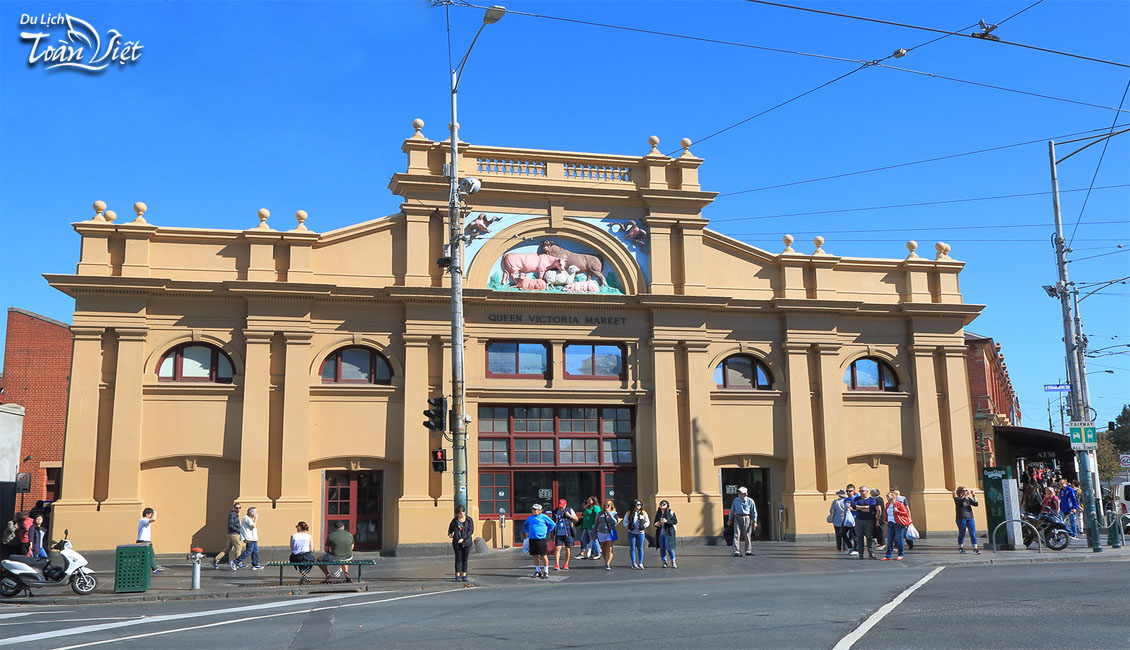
(1068, 505)
(235, 545)
(537, 529)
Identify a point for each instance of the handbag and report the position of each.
(912, 532)
(849, 519)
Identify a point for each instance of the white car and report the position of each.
(1120, 502)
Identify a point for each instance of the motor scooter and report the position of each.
(1052, 529)
(21, 573)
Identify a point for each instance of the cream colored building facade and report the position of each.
(609, 387)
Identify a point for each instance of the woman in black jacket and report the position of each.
(665, 521)
(461, 530)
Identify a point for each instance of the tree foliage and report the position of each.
(1121, 434)
(1107, 458)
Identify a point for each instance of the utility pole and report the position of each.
(1081, 356)
(1080, 410)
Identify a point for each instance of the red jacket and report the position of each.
(902, 513)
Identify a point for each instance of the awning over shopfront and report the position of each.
(1016, 444)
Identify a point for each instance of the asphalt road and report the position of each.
(1028, 606)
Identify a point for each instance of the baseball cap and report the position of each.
(743, 490)
(536, 506)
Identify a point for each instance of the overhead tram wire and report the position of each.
(1091, 257)
(1098, 165)
(942, 31)
(918, 162)
(913, 205)
(925, 229)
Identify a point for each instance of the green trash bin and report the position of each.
(131, 568)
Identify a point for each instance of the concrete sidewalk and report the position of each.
(511, 567)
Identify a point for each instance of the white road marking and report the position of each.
(172, 617)
(244, 620)
(50, 621)
(857, 634)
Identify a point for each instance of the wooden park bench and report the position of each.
(304, 580)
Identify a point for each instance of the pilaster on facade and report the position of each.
(125, 440)
(80, 450)
(698, 445)
(255, 430)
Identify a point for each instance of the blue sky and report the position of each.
(235, 106)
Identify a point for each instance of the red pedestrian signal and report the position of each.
(439, 460)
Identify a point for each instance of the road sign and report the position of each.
(1057, 388)
(1124, 461)
(1083, 436)
(23, 483)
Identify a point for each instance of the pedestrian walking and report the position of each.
(848, 530)
(1068, 506)
(302, 550)
(964, 501)
(606, 532)
(743, 519)
(836, 512)
(235, 544)
(461, 530)
(564, 534)
(880, 521)
(637, 523)
(863, 507)
(665, 521)
(249, 535)
(36, 535)
(898, 518)
(145, 536)
(590, 547)
(538, 528)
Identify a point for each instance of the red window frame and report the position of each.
(617, 377)
(885, 373)
(757, 365)
(544, 374)
(375, 357)
(178, 364)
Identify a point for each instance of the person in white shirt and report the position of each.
(249, 533)
(302, 549)
(145, 536)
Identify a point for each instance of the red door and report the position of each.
(355, 498)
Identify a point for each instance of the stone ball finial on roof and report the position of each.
(819, 241)
(912, 246)
(653, 140)
(943, 251)
(264, 214)
(99, 208)
(418, 124)
(301, 217)
(139, 208)
(788, 239)
(110, 215)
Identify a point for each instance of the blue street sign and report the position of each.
(1057, 388)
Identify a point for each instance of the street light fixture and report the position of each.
(459, 418)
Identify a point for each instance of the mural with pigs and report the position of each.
(553, 265)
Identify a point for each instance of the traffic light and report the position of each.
(437, 414)
(439, 460)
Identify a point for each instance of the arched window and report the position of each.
(356, 365)
(742, 372)
(195, 362)
(870, 373)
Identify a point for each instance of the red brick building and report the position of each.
(992, 400)
(37, 366)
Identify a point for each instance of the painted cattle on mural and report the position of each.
(632, 232)
(479, 226)
(590, 265)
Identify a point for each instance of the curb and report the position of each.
(998, 561)
(254, 592)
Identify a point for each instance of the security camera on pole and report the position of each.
(459, 417)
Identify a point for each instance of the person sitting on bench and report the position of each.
(339, 548)
(301, 548)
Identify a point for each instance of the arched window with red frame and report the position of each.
(356, 365)
(870, 373)
(199, 362)
(742, 372)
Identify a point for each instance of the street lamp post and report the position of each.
(459, 417)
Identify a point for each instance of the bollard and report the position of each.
(1114, 532)
(195, 558)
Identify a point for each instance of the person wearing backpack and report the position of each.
(665, 521)
(8, 544)
(606, 531)
(636, 521)
(563, 519)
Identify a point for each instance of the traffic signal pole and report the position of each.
(1080, 410)
(458, 388)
